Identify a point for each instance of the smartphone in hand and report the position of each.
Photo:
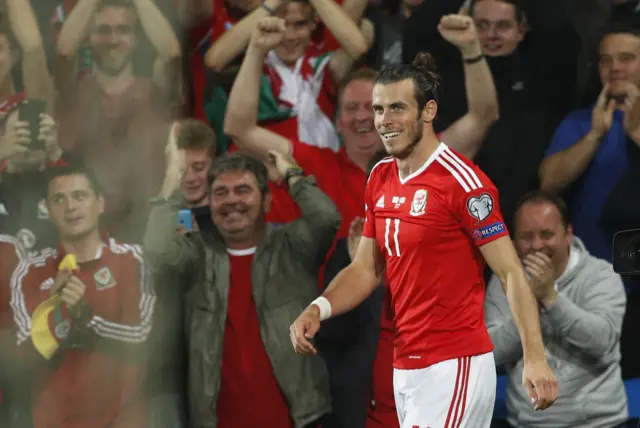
(184, 220)
(29, 111)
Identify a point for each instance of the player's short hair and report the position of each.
(521, 17)
(426, 81)
(239, 162)
(367, 74)
(377, 157)
(68, 166)
(195, 134)
(540, 196)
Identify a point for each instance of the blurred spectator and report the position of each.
(22, 56)
(590, 155)
(110, 118)
(297, 91)
(199, 144)
(582, 303)
(246, 281)
(531, 48)
(23, 182)
(82, 325)
(14, 411)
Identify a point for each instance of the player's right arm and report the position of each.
(347, 290)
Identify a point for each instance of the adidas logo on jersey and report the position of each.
(380, 203)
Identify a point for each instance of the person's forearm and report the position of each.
(350, 288)
(345, 29)
(35, 74)
(232, 42)
(242, 109)
(561, 169)
(76, 27)
(482, 99)
(525, 315)
(595, 332)
(158, 30)
(354, 8)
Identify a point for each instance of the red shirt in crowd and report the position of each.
(427, 225)
(91, 387)
(249, 394)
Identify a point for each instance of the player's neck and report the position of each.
(421, 153)
(85, 248)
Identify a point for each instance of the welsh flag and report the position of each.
(304, 93)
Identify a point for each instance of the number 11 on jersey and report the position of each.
(391, 243)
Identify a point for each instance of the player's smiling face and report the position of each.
(539, 228)
(397, 119)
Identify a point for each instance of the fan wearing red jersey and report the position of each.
(82, 314)
(431, 218)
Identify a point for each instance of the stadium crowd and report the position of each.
(179, 179)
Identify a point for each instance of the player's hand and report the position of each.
(540, 382)
(61, 280)
(460, 31)
(73, 292)
(268, 33)
(355, 233)
(541, 277)
(602, 114)
(304, 329)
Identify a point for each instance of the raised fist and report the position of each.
(460, 31)
(268, 33)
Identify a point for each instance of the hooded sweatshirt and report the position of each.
(581, 332)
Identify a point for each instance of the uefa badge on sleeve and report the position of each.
(419, 203)
(480, 207)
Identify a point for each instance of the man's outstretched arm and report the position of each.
(347, 290)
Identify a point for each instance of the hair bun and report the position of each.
(425, 62)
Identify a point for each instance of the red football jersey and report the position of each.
(89, 386)
(429, 226)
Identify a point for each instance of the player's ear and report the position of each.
(429, 112)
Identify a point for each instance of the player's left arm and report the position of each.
(503, 260)
(476, 204)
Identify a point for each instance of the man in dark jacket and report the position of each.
(244, 284)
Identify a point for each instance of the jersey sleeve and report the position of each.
(478, 209)
(369, 229)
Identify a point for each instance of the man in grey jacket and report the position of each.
(245, 283)
(582, 303)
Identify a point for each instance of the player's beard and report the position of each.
(417, 133)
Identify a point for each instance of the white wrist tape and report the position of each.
(325, 307)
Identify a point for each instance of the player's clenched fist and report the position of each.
(540, 382)
(268, 33)
(304, 329)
